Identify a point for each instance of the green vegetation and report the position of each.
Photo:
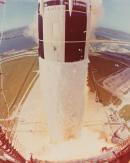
(125, 112)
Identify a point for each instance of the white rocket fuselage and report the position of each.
(63, 64)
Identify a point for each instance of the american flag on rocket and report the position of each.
(2, 1)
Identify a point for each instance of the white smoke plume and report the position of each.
(32, 29)
(96, 14)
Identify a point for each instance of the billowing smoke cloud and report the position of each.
(32, 30)
(96, 14)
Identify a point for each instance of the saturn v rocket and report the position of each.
(63, 49)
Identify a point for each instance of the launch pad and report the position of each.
(59, 120)
(31, 123)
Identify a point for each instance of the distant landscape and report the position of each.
(17, 39)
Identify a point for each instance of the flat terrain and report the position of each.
(17, 72)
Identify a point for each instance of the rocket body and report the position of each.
(63, 64)
(64, 27)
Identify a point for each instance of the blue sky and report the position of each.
(116, 14)
(21, 12)
(18, 13)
